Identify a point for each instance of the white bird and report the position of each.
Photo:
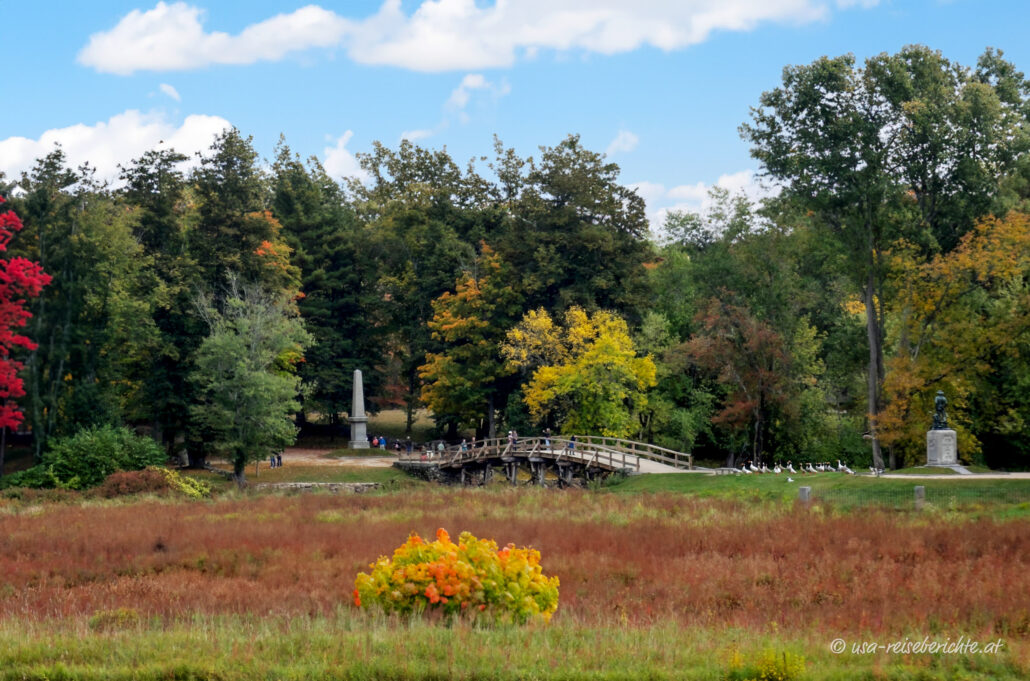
(848, 470)
(765, 469)
(809, 468)
(790, 467)
(790, 479)
(751, 465)
(840, 466)
(743, 469)
(777, 470)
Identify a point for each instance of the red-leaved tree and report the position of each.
(20, 279)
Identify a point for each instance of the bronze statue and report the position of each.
(940, 418)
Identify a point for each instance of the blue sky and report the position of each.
(659, 85)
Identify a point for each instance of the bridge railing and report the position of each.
(612, 452)
(642, 449)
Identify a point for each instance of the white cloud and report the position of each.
(454, 34)
(625, 141)
(650, 192)
(694, 197)
(171, 37)
(339, 162)
(415, 135)
(689, 192)
(170, 91)
(119, 140)
(458, 102)
(439, 35)
(459, 98)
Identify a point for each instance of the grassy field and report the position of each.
(672, 576)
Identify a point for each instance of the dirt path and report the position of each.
(317, 457)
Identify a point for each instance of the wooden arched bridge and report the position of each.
(566, 460)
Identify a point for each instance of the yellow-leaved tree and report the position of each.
(585, 374)
(955, 318)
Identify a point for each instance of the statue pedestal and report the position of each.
(941, 448)
(358, 435)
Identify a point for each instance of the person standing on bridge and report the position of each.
(572, 443)
(515, 437)
(547, 438)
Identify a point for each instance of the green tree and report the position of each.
(464, 383)
(574, 234)
(338, 281)
(912, 144)
(245, 373)
(414, 207)
(93, 322)
(156, 192)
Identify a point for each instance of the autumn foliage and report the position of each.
(471, 577)
(20, 279)
(955, 317)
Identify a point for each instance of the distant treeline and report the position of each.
(527, 293)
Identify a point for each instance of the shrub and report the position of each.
(113, 620)
(122, 483)
(37, 477)
(770, 666)
(152, 480)
(191, 487)
(88, 457)
(471, 577)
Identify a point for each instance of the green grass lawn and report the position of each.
(1010, 497)
(354, 646)
(390, 477)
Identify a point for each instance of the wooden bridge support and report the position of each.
(566, 471)
(511, 471)
(538, 470)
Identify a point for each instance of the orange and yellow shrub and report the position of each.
(471, 577)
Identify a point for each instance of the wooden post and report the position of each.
(805, 495)
(920, 497)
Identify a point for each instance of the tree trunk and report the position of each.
(239, 475)
(491, 424)
(875, 366)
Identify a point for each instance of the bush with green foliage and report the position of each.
(86, 459)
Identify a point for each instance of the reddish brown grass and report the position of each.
(698, 562)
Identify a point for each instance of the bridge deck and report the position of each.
(600, 452)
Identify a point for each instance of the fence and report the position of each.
(915, 497)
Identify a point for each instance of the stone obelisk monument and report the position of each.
(358, 436)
